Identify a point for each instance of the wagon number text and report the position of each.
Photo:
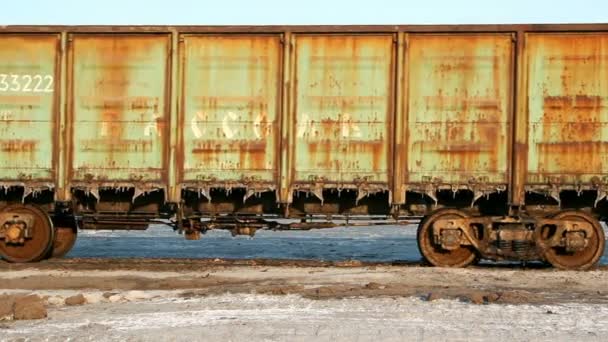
(27, 83)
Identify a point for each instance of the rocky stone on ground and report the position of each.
(486, 297)
(75, 300)
(29, 307)
(374, 286)
(518, 297)
(477, 297)
(434, 296)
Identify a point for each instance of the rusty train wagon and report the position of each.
(495, 136)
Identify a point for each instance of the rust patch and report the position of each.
(459, 94)
(568, 108)
(230, 107)
(28, 108)
(118, 110)
(343, 104)
(18, 145)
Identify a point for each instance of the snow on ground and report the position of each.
(250, 317)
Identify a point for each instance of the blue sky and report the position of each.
(270, 12)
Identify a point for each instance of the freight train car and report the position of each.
(495, 136)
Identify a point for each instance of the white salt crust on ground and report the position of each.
(162, 315)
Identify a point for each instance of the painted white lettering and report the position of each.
(196, 130)
(349, 129)
(27, 83)
(229, 132)
(303, 126)
(152, 126)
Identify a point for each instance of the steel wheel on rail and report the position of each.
(65, 238)
(559, 257)
(434, 253)
(27, 233)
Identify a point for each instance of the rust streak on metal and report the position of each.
(343, 110)
(119, 111)
(567, 110)
(458, 126)
(231, 111)
(400, 150)
(29, 87)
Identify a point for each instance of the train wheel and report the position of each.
(433, 253)
(65, 238)
(559, 257)
(28, 233)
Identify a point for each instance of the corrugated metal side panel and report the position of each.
(119, 87)
(28, 72)
(567, 108)
(459, 91)
(231, 108)
(343, 108)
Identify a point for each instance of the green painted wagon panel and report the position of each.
(28, 86)
(459, 93)
(343, 108)
(230, 109)
(118, 112)
(567, 108)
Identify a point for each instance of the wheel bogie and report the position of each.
(567, 240)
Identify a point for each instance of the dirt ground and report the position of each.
(278, 300)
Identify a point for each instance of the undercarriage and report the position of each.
(447, 237)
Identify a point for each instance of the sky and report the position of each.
(302, 12)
